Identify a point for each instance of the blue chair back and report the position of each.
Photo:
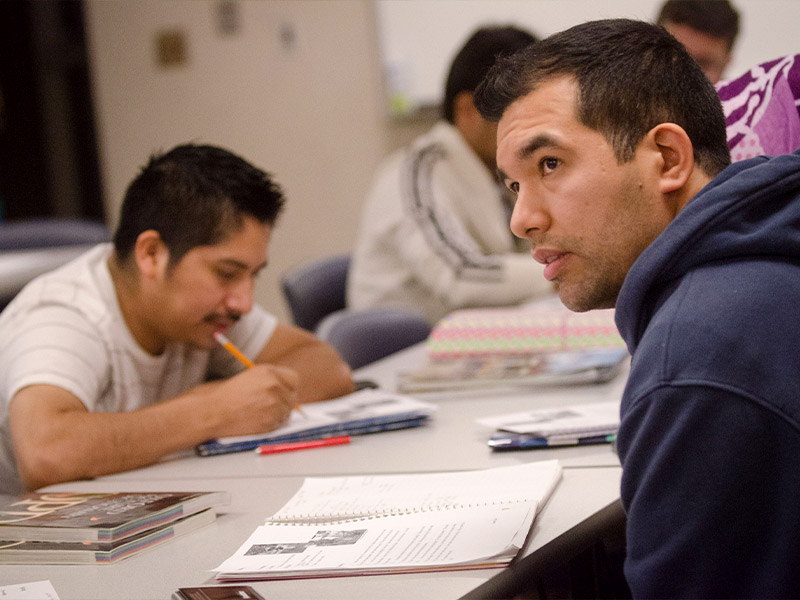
(48, 233)
(316, 289)
(366, 335)
(31, 247)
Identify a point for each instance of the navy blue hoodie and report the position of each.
(710, 432)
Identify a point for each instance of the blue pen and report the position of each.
(510, 441)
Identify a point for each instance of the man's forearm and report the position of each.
(322, 372)
(68, 444)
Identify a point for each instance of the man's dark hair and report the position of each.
(194, 196)
(630, 76)
(716, 18)
(477, 56)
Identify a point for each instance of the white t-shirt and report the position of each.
(434, 236)
(65, 329)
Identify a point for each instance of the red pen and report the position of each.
(275, 448)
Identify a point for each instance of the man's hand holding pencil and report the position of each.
(266, 394)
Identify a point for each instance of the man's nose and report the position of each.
(529, 215)
(240, 297)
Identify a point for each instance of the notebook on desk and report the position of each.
(539, 344)
(573, 425)
(362, 412)
(558, 368)
(404, 523)
(538, 328)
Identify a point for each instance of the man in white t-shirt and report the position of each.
(110, 362)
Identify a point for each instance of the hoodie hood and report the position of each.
(751, 209)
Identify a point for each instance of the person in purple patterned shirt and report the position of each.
(762, 109)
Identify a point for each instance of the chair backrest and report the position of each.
(366, 335)
(49, 233)
(31, 247)
(316, 289)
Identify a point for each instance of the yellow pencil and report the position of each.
(228, 345)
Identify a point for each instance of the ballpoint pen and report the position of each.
(228, 345)
(514, 441)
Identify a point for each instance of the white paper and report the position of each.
(36, 590)
(469, 536)
(329, 498)
(577, 418)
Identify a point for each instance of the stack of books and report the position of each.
(543, 343)
(97, 528)
(476, 372)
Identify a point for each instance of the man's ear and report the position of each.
(676, 156)
(151, 254)
(464, 111)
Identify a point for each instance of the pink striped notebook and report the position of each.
(538, 328)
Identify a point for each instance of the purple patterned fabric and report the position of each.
(762, 109)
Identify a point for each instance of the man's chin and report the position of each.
(583, 302)
(573, 299)
(203, 336)
(202, 344)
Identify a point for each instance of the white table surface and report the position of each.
(186, 561)
(451, 441)
(260, 485)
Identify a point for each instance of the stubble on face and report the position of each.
(587, 215)
(619, 236)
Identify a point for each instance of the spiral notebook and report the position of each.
(379, 524)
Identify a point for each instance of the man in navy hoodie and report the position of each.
(614, 143)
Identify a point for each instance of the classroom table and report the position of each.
(186, 561)
(260, 485)
(451, 441)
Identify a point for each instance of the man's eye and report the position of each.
(549, 164)
(227, 275)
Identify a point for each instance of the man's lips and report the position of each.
(553, 260)
(221, 323)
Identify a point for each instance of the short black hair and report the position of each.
(716, 18)
(194, 195)
(631, 76)
(477, 56)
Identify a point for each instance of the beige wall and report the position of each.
(311, 112)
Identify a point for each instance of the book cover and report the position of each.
(365, 411)
(214, 447)
(217, 592)
(408, 523)
(96, 517)
(79, 553)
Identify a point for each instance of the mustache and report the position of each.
(217, 318)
